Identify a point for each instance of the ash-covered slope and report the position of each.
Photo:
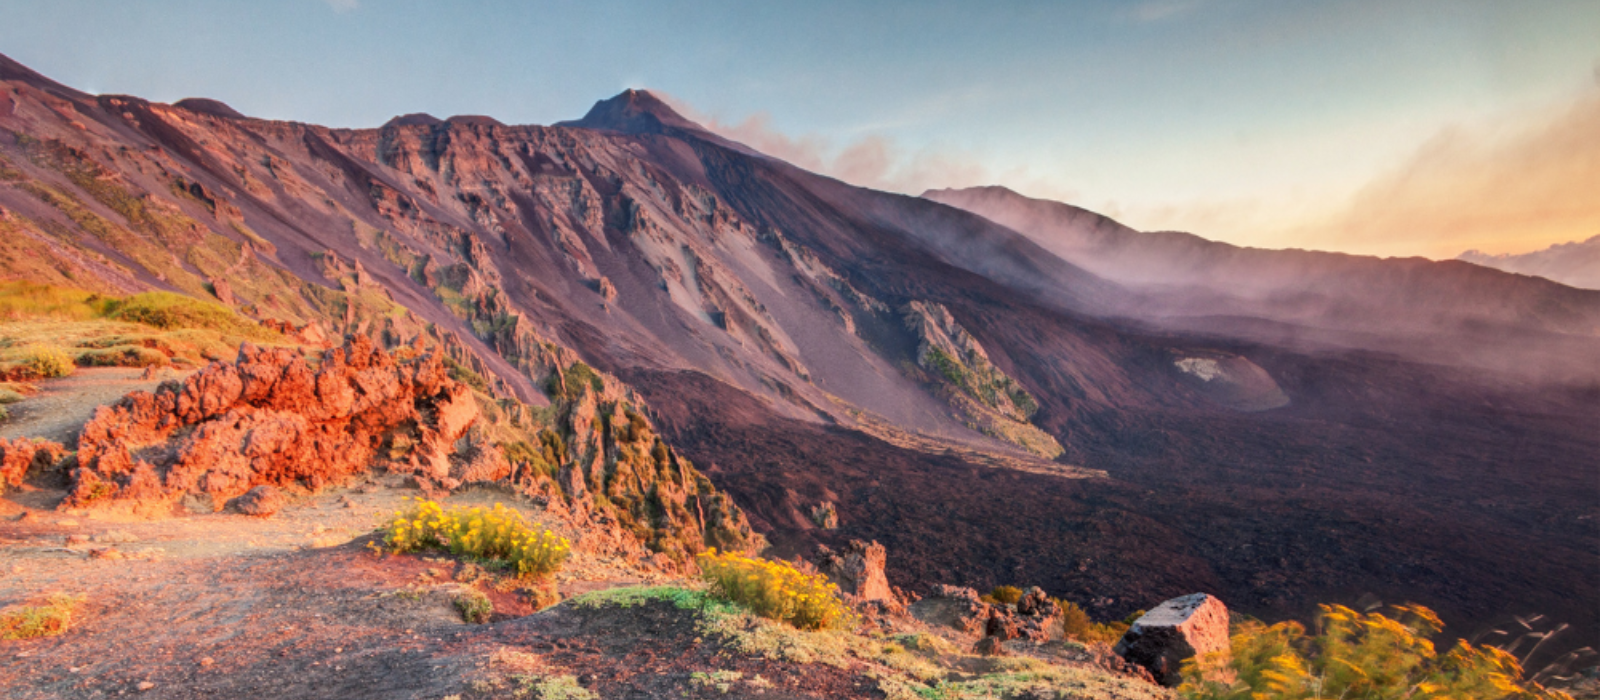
(1575, 264)
(807, 341)
(1430, 311)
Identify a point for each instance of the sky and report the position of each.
(1418, 127)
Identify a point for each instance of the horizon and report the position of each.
(1350, 127)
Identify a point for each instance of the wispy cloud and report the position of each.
(343, 6)
(1513, 188)
(871, 160)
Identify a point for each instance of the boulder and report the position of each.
(1178, 629)
(260, 501)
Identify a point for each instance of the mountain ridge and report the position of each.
(769, 317)
(1576, 263)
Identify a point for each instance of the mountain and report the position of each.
(1575, 264)
(992, 408)
(1428, 311)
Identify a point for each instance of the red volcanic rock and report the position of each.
(1178, 629)
(858, 570)
(1001, 625)
(19, 456)
(260, 501)
(270, 418)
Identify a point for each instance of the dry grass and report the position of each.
(52, 619)
(77, 328)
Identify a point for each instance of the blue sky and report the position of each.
(1255, 121)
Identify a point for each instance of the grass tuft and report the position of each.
(52, 619)
(474, 606)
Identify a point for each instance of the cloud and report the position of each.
(1510, 188)
(343, 6)
(873, 160)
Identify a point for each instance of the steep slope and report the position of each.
(780, 328)
(1430, 311)
(1576, 264)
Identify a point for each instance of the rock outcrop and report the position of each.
(859, 572)
(23, 455)
(1178, 629)
(993, 402)
(1035, 617)
(272, 418)
(614, 469)
(953, 606)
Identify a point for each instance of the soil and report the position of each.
(297, 605)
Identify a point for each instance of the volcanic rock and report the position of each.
(858, 570)
(825, 515)
(1002, 624)
(1178, 629)
(953, 606)
(22, 455)
(269, 418)
(223, 291)
(260, 501)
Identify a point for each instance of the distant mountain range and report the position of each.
(1576, 264)
(1000, 390)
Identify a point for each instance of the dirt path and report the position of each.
(63, 405)
(296, 606)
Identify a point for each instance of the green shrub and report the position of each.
(1075, 622)
(474, 606)
(465, 375)
(48, 620)
(168, 310)
(577, 377)
(122, 356)
(774, 590)
(10, 395)
(45, 362)
(1006, 595)
(1370, 656)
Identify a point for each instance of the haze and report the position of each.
(1353, 126)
